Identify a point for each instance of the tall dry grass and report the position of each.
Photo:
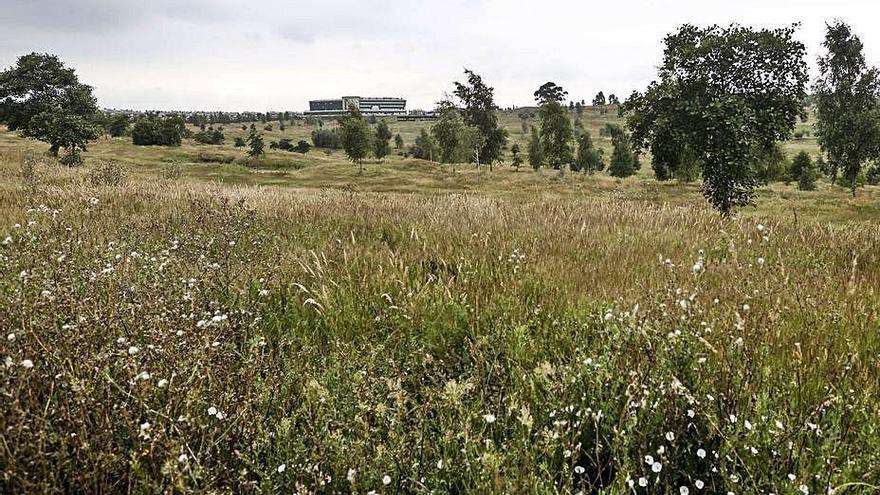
(170, 336)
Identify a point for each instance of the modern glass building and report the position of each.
(380, 106)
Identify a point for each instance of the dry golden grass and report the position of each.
(508, 332)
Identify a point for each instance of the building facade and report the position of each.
(378, 106)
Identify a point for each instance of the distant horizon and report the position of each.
(215, 56)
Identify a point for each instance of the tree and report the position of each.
(479, 111)
(589, 158)
(535, 150)
(382, 138)
(240, 142)
(613, 100)
(118, 125)
(723, 94)
(804, 171)
(548, 92)
(599, 100)
(44, 100)
(398, 141)
(517, 158)
(447, 132)
(255, 143)
(153, 131)
(848, 113)
(556, 133)
(356, 137)
(624, 162)
(424, 147)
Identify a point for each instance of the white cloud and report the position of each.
(277, 54)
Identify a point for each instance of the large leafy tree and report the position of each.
(589, 158)
(535, 149)
(556, 133)
(356, 137)
(847, 91)
(548, 92)
(478, 102)
(723, 94)
(44, 99)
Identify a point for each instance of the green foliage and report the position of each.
(447, 133)
(589, 158)
(382, 139)
(556, 133)
(255, 143)
(479, 111)
(118, 125)
(624, 162)
(44, 100)
(599, 100)
(517, 157)
(240, 142)
(847, 108)
(326, 138)
(213, 136)
(302, 147)
(155, 131)
(804, 171)
(770, 164)
(398, 141)
(535, 149)
(724, 93)
(425, 146)
(356, 137)
(548, 92)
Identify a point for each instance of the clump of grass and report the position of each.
(192, 337)
(107, 173)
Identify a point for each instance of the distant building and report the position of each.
(378, 106)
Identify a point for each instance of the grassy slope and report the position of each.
(352, 327)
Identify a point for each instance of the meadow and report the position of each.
(190, 320)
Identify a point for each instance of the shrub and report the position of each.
(149, 131)
(107, 173)
(326, 138)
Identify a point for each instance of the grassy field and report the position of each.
(293, 326)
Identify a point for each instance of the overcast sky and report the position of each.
(276, 55)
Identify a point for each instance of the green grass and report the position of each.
(415, 330)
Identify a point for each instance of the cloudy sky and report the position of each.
(276, 55)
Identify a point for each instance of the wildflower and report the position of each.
(386, 480)
(10, 337)
(691, 413)
(804, 489)
(133, 350)
(27, 364)
(699, 484)
(670, 436)
(350, 475)
(643, 482)
(746, 307)
(281, 468)
(779, 424)
(162, 383)
(579, 469)
(212, 411)
(760, 261)
(440, 464)
(791, 477)
(656, 467)
(649, 459)
(182, 458)
(683, 490)
(490, 418)
(748, 425)
(698, 266)
(733, 418)
(760, 228)
(701, 453)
